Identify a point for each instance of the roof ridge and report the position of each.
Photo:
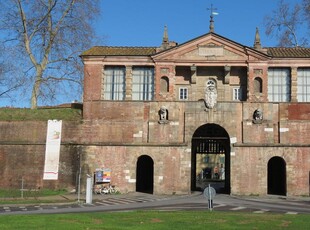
(289, 52)
(120, 51)
(146, 47)
(296, 47)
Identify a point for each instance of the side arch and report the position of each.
(258, 85)
(276, 176)
(164, 84)
(145, 174)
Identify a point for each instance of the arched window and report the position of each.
(164, 84)
(258, 85)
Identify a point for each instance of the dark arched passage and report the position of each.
(277, 176)
(145, 174)
(211, 158)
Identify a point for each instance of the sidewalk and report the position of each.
(276, 198)
(134, 201)
(74, 198)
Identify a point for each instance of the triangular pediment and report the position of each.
(210, 47)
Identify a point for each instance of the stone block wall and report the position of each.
(295, 132)
(249, 169)
(171, 166)
(227, 115)
(258, 133)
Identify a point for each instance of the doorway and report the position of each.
(145, 174)
(211, 158)
(277, 176)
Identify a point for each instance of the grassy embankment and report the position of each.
(44, 114)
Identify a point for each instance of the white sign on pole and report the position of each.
(52, 150)
(209, 193)
(89, 194)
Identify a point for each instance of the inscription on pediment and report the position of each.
(211, 51)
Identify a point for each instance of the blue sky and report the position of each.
(141, 22)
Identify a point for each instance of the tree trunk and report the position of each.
(36, 89)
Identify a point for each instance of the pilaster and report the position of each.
(128, 77)
(294, 84)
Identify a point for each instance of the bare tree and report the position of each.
(285, 23)
(306, 8)
(45, 38)
(7, 84)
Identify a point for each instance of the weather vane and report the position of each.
(212, 12)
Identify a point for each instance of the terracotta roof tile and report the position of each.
(275, 52)
(296, 52)
(119, 51)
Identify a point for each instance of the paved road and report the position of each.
(194, 201)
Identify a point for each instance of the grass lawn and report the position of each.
(16, 193)
(15, 196)
(156, 220)
(16, 114)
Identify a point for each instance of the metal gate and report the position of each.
(211, 158)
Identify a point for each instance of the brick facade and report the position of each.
(122, 131)
(238, 143)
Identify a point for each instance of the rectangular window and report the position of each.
(237, 94)
(143, 83)
(183, 94)
(279, 84)
(303, 85)
(114, 83)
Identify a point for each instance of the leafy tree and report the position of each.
(287, 22)
(43, 39)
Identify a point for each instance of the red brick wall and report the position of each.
(26, 162)
(295, 132)
(298, 111)
(35, 131)
(284, 123)
(22, 155)
(258, 133)
(92, 82)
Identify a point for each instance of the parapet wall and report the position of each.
(22, 154)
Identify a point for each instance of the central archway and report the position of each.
(211, 158)
(145, 174)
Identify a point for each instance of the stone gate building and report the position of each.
(174, 118)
